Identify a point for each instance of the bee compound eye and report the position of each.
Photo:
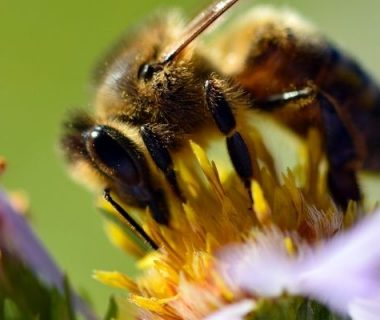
(114, 154)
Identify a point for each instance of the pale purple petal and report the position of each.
(17, 238)
(263, 267)
(338, 273)
(365, 310)
(236, 311)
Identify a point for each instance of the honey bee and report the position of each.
(161, 86)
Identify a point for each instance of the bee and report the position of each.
(160, 86)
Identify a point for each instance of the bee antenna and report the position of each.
(132, 224)
(197, 26)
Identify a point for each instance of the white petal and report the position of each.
(365, 310)
(337, 273)
(236, 311)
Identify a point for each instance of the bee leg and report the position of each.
(340, 140)
(161, 157)
(280, 100)
(342, 154)
(225, 120)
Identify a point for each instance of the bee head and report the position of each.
(151, 77)
(106, 158)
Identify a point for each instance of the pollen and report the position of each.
(260, 205)
(180, 280)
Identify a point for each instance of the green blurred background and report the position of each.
(47, 50)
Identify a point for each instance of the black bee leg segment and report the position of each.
(132, 224)
(158, 207)
(161, 157)
(341, 147)
(225, 120)
(341, 152)
(241, 160)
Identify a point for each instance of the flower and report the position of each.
(28, 275)
(342, 272)
(288, 214)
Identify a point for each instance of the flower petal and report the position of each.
(17, 238)
(337, 273)
(236, 311)
(365, 310)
